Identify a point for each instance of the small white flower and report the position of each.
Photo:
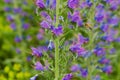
(34, 77)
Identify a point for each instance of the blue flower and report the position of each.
(84, 72)
(107, 69)
(104, 60)
(34, 77)
(99, 51)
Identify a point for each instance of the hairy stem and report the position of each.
(57, 43)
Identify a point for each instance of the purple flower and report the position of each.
(57, 31)
(75, 47)
(107, 69)
(18, 39)
(100, 7)
(87, 54)
(29, 38)
(100, 13)
(75, 68)
(7, 9)
(80, 51)
(82, 39)
(17, 10)
(114, 5)
(47, 3)
(69, 16)
(47, 17)
(83, 5)
(43, 48)
(73, 4)
(89, 4)
(44, 14)
(99, 17)
(39, 66)
(39, 36)
(117, 39)
(36, 52)
(84, 72)
(40, 3)
(113, 20)
(104, 27)
(13, 26)
(104, 60)
(99, 51)
(10, 18)
(108, 38)
(18, 50)
(28, 58)
(75, 18)
(113, 50)
(45, 24)
(26, 26)
(68, 77)
(53, 4)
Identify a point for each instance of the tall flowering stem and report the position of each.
(57, 43)
(91, 38)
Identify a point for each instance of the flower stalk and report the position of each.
(57, 43)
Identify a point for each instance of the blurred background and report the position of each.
(18, 32)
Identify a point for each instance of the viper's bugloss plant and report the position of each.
(59, 39)
(80, 35)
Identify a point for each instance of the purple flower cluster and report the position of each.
(47, 23)
(77, 46)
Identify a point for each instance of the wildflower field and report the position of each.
(59, 39)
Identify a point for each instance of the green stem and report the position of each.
(90, 58)
(92, 36)
(57, 12)
(57, 43)
(56, 59)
